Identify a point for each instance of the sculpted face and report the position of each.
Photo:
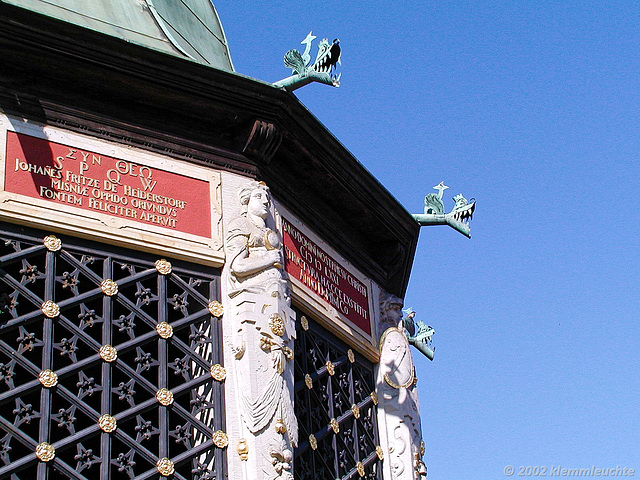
(258, 203)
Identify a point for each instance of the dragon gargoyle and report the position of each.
(305, 72)
(420, 339)
(458, 217)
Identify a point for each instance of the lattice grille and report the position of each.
(335, 408)
(114, 381)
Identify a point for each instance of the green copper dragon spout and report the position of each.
(305, 72)
(458, 218)
(418, 333)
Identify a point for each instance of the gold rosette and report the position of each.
(107, 423)
(218, 372)
(163, 266)
(50, 309)
(335, 426)
(360, 469)
(330, 368)
(165, 467)
(308, 381)
(304, 321)
(220, 439)
(52, 243)
(48, 378)
(313, 442)
(108, 353)
(164, 330)
(351, 356)
(216, 309)
(164, 397)
(374, 398)
(109, 287)
(380, 452)
(45, 452)
(355, 410)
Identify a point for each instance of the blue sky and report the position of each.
(532, 108)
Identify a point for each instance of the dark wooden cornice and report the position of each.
(64, 75)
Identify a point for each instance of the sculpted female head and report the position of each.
(255, 199)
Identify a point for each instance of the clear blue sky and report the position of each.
(533, 108)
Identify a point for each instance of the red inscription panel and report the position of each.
(325, 277)
(72, 176)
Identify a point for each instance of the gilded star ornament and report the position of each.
(218, 372)
(109, 287)
(163, 266)
(164, 330)
(50, 309)
(45, 452)
(107, 423)
(48, 378)
(305, 323)
(313, 442)
(220, 439)
(215, 308)
(165, 467)
(108, 353)
(52, 243)
(355, 410)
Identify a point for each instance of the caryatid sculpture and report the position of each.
(399, 408)
(264, 332)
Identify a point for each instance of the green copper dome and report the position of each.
(184, 28)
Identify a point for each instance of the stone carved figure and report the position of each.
(264, 332)
(399, 396)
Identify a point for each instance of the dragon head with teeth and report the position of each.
(321, 70)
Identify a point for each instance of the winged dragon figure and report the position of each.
(458, 218)
(305, 72)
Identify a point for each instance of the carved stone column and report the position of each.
(257, 309)
(398, 408)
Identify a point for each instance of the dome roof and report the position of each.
(184, 28)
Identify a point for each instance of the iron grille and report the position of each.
(336, 408)
(68, 377)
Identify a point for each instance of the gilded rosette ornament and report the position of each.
(218, 372)
(109, 287)
(360, 469)
(313, 442)
(108, 353)
(351, 356)
(50, 309)
(165, 467)
(335, 426)
(220, 439)
(164, 330)
(288, 353)
(45, 452)
(308, 381)
(216, 309)
(380, 452)
(107, 423)
(374, 398)
(48, 378)
(330, 368)
(163, 266)
(276, 324)
(52, 243)
(164, 397)
(304, 322)
(355, 410)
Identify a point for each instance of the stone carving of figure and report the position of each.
(264, 332)
(253, 249)
(396, 383)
